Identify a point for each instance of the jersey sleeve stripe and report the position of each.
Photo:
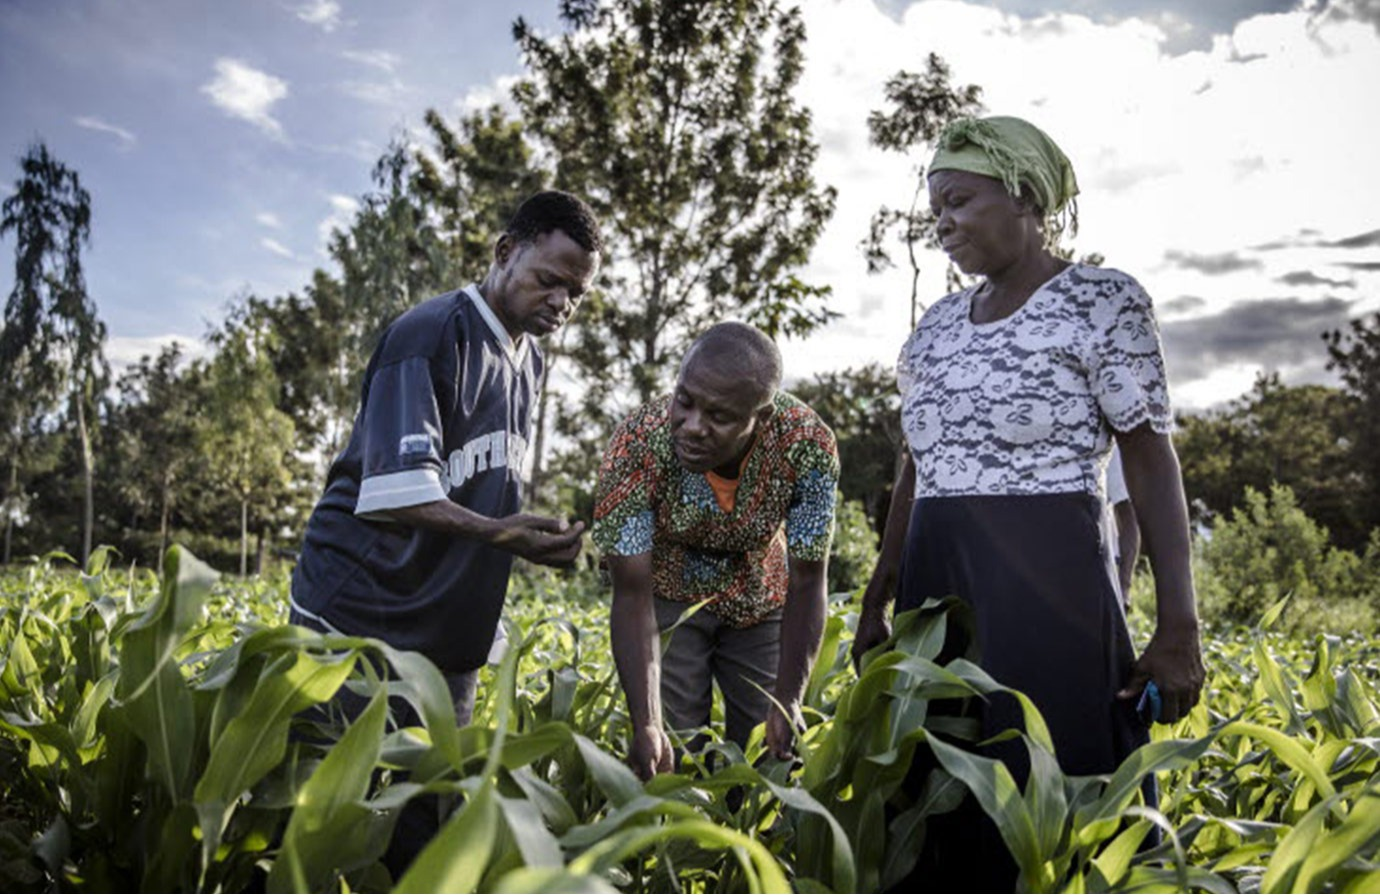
(395, 490)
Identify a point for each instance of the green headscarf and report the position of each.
(1018, 154)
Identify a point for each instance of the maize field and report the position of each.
(155, 735)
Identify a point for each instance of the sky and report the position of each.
(1225, 150)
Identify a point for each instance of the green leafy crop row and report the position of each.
(162, 734)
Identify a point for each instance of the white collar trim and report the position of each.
(516, 351)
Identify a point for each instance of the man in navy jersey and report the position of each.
(414, 537)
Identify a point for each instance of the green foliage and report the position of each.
(51, 339)
(1298, 436)
(853, 552)
(863, 408)
(919, 107)
(149, 739)
(248, 440)
(1270, 549)
(678, 123)
(1355, 354)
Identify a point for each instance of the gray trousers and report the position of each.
(705, 650)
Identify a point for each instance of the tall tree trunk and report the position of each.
(11, 494)
(88, 463)
(244, 537)
(259, 551)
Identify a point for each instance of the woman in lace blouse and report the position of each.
(1012, 393)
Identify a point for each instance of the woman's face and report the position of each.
(982, 228)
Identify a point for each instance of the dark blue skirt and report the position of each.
(1039, 576)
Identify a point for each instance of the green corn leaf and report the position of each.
(763, 872)
(155, 635)
(842, 874)
(1289, 751)
(1047, 801)
(255, 741)
(1271, 615)
(823, 671)
(1358, 834)
(456, 859)
(1115, 860)
(423, 685)
(311, 854)
(541, 880)
(535, 843)
(555, 808)
(1293, 850)
(995, 790)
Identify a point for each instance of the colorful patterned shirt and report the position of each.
(784, 506)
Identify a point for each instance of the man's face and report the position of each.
(714, 418)
(539, 283)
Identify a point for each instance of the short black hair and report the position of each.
(551, 210)
(741, 351)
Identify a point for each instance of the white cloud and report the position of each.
(391, 92)
(342, 212)
(1197, 152)
(382, 60)
(269, 219)
(247, 93)
(124, 351)
(126, 138)
(277, 248)
(324, 14)
(482, 96)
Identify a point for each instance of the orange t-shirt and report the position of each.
(726, 490)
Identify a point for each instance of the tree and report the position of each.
(1355, 353)
(315, 351)
(921, 106)
(248, 441)
(157, 423)
(52, 342)
(1291, 435)
(1270, 548)
(677, 122)
(472, 180)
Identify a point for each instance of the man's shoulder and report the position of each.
(653, 415)
(793, 414)
(424, 328)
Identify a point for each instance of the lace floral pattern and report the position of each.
(1027, 404)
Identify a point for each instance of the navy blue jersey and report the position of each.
(446, 412)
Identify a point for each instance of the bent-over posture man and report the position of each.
(414, 537)
(721, 491)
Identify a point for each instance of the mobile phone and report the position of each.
(1148, 706)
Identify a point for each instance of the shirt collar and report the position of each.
(516, 351)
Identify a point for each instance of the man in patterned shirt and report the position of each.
(721, 491)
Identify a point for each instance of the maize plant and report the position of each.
(169, 733)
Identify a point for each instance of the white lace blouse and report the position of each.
(1026, 404)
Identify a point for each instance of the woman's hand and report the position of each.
(1174, 661)
(873, 628)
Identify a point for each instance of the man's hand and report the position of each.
(1174, 661)
(781, 730)
(873, 628)
(541, 539)
(650, 753)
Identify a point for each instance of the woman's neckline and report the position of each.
(973, 291)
